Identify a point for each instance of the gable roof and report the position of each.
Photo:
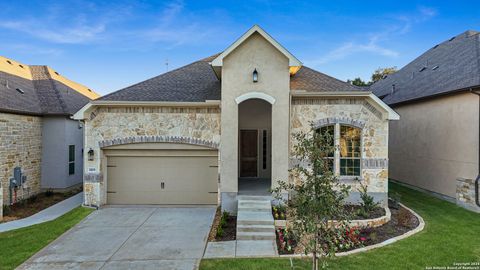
(450, 66)
(292, 60)
(197, 82)
(32, 90)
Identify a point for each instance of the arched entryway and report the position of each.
(254, 146)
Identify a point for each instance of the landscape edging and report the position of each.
(419, 228)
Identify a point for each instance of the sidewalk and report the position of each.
(48, 214)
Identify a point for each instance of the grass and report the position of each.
(18, 245)
(451, 235)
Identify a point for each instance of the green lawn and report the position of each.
(451, 235)
(18, 245)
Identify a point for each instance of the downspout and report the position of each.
(477, 181)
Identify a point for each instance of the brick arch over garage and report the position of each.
(159, 139)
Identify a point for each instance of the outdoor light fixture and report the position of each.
(90, 154)
(255, 76)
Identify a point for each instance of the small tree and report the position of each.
(317, 199)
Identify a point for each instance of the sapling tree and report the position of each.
(316, 199)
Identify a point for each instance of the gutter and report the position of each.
(477, 181)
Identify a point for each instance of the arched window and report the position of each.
(346, 159)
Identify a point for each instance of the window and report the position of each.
(71, 159)
(264, 149)
(328, 132)
(347, 153)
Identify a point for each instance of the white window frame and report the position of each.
(336, 162)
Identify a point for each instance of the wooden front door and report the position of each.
(248, 153)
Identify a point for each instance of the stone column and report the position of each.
(466, 194)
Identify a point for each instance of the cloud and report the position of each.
(68, 35)
(403, 24)
(349, 48)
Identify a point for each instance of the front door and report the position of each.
(248, 153)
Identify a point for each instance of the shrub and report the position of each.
(219, 231)
(7, 210)
(32, 199)
(49, 193)
(368, 204)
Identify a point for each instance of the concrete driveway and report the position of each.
(131, 238)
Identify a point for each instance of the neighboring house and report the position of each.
(222, 126)
(37, 134)
(435, 146)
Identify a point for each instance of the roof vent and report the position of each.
(451, 38)
(56, 73)
(393, 88)
(422, 69)
(20, 91)
(89, 89)
(384, 76)
(434, 47)
(435, 67)
(20, 66)
(8, 61)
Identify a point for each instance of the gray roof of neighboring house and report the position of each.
(197, 82)
(41, 96)
(447, 67)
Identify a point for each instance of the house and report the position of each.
(40, 145)
(222, 126)
(435, 146)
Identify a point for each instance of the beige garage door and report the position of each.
(162, 176)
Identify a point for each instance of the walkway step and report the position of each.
(256, 236)
(255, 228)
(254, 218)
(263, 206)
(253, 197)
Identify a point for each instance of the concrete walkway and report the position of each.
(131, 238)
(48, 214)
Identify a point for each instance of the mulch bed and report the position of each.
(354, 210)
(401, 222)
(229, 231)
(35, 204)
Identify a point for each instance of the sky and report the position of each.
(111, 45)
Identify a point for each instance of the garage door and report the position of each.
(173, 176)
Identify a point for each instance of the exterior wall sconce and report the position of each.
(90, 154)
(255, 76)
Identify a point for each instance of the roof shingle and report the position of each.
(197, 82)
(447, 67)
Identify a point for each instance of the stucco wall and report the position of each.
(436, 142)
(355, 111)
(20, 146)
(128, 124)
(273, 79)
(58, 133)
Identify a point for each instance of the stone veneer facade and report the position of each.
(20, 146)
(108, 126)
(466, 194)
(357, 112)
(121, 125)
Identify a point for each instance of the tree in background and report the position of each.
(381, 72)
(358, 82)
(377, 75)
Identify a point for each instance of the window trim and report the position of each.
(336, 156)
